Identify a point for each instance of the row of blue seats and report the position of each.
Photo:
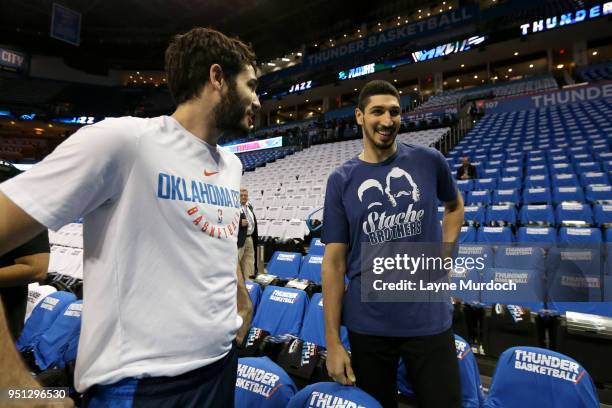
(508, 190)
(592, 152)
(513, 178)
(563, 214)
(511, 168)
(548, 379)
(536, 235)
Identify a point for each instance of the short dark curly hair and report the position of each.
(190, 56)
(375, 87)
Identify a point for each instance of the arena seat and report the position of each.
(510, 196)
(332, 394)
(537, 215)
(254, 293)
(316, 247)
(52, 348)
(536, 195)
(474, 215)
(544, 236)
(262, 383)
(546, 379)
(285, 265)
(311, 268)
(599, 194)
(568, 194)
(573, 214)
(501, 215)
(42, 317)
(494, 235)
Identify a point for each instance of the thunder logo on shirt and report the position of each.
(170, 187)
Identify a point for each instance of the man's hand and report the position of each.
(244, 223)
(339, 365)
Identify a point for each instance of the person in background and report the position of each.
(467, 171)
(247, 237)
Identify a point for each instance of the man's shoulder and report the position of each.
(425, 155)
(344, 171)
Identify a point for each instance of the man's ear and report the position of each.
(359, 116)
(217, 80)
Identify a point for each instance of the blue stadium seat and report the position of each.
(545, 236)
(467, 234)
(474, 215)
(565, 180)
(579, 236)
(588, 167)
(465, 185)
(573, 214)
(254, 293)
(325, 394)
(505, 197)
(42, 317)
(561, 168)
(594, 179)
(478, 197)
(285, 265)
(524, 265)
(607, 165)
(568, 194)
(313, 329)
(486, 184)
(471, 272)
(316, 247)
(537, 214)
(602, 214)
(490, 173)
(538, 195)
(509, 183)
(311, 268)
(599, 194)
(281, 311)
(472, 395)
(537, 170)
(512, 172)
(494, 164)
(493, 235)
(52, 348)
(547, 379)
(537, 181)
(260, 382)
(500, 215)
(575, 280)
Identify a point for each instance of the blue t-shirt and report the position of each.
(392, 201)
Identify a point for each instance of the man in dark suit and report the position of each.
(466, 171)
(247, 237)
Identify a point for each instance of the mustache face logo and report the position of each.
(395, 174)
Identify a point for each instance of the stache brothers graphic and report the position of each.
(402, 219)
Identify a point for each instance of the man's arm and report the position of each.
(333, 271)
(245, 307)
(27, 269)
(13, 373)
(452, 222)
(16, 226)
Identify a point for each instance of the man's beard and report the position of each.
(381, 145)
(229, 116)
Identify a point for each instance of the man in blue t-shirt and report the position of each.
(388, 194)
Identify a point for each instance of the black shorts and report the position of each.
(206, 387)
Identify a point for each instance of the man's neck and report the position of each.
(372, 154)
(197, 121)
